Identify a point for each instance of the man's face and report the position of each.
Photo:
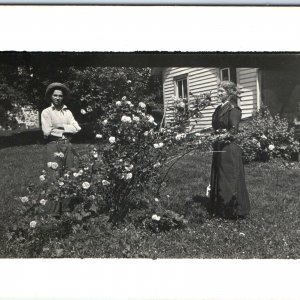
(57, 97)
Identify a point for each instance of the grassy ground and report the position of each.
(272, 231)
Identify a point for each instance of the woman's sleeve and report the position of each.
(235, 116)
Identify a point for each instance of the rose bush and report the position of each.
(265, 137)
(121, 175)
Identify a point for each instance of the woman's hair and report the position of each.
(232, 90)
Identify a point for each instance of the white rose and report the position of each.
(105, 182)
(59, 154)
(42, 178)
(24, 199)
(156, 146)
(129, 81)
(60, 183)
(80, 172)
(155, 218)
(95, 155)
(142, 105)
(126, 119)
(32, 224)
(124, 98)
(112, 139)
(150, 119)
(129, 168)
(161, 145)
(54, 165)
(99, 136)
(146, 133)
(118, 103)
(156, 199)
(86, 185)
(156, 165)
(75, 175)
(128, 176)
(43, 201)
(263, 137)
(135, 118)
(89, 109)
(49, 164)
(105, 122)
(83, 111)
(271, 147)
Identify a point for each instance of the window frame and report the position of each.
(178, 79)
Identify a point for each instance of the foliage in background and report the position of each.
(265, 137)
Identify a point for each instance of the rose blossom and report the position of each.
(105, 182)
(135, 118)
(129, 168)
(59, 154)
(24, 199)
(112, 139)
(32, 224)
(271, 147)
(156, 199)
(86, 185)
(128, 176)
(118, 103)
(156, 165)
(105, 122)
(53, 165)
(126, 119)
(99, 136)
(43, 201)
(146, 133)
(89, 109)
(83, 111)
(142, 105)
(124, 98)
(129, 81)
(42, 178)
(150, 119)
(155, 218)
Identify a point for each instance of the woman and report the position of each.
(228, 197)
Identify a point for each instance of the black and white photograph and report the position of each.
(150, 155)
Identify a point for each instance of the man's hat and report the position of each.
(57, 86)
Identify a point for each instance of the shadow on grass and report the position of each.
(202, 200)
(22, 137)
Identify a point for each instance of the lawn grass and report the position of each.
(272, 230)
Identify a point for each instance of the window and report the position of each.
(228, 74)
(181, 87)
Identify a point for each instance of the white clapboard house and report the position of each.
(278, 89)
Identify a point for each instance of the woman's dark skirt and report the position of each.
(229, 196)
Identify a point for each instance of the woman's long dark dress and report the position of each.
(228, 197)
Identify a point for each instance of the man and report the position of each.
(59, 125)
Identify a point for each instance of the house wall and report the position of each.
(202, 80)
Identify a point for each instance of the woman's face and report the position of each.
(222, 94)
(57, 97)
